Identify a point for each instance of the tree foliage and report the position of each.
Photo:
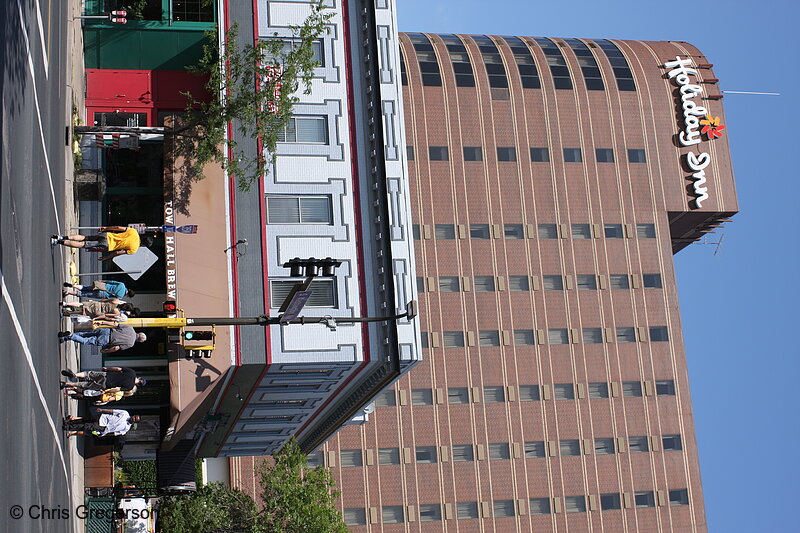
(254, 88)
(294, 499)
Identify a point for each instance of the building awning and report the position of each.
(185, 419)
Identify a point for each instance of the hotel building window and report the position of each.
(473, 153)
(415, 232)
(387, 398)
(457, 395)
(557, 63)
(610, 501)
(466, 510)
(613, 231)
(519, 283)
(652, 281)
(646, 231)
(553, 283)
(575, 504)
(534, 449)
(503, 508)
(569, 447)
(671, 443)
(679, 497)
(645, 498)
(632, 389)
(410, 153)
(403, 71)
(626, 334)
(529, 393)
(665, 387)
(581, 231)
(430, 512)
(539, 505)
(315, 459)
(421, 397)
(392, 514)
(463, 453)
(619, 281)
(445, 231)
(479, 231)
(604, 446)
(453, 339)
(598, 389)
(636, 155)
(349, 458)
(484, 283)
(492, 61)
(591, 72)
(525, 63)
(438, 153)
(449, 284)
(558, 336)
(506, 153)
(489, 337)
(428, 64)
(547, 231)
(564, 391)
(523, 337)
(459, 58)
(586, 282)
(638, 444)
(498, 451)
(494, 394)
(540, 155)
(388, 456)
(355, 517)
(299, 210)
(305, 129)
(425, 454)
(514, 231)
(592, 335)
(323, 292)
(572, 155)
(622, 71)
(659, 334)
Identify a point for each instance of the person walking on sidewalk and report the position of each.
(109, 377)
(114, 240)
(111, 340)
(103, 289)
(104, 423)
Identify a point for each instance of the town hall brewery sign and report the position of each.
(696, 122)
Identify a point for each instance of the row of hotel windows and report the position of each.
(552, 336)
(396, 514)
(527, 393)
(501, 451)
(521, 231)
(548, 282)
(537, 154)
(524, 59)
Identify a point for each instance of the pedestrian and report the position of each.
(109, 377)
(114, 339)
(104, 423)
(103, 289)
(100, 312)
(100, 397)
(114, 240)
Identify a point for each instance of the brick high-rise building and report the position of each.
(552, 182)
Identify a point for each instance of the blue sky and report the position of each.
(738, 306)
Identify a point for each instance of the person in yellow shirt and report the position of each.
(114, 240)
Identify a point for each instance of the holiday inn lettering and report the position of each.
(696, 121)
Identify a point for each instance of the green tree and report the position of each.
(254, 87)
(294, 499)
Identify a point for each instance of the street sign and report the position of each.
(295, 305)
(189, 229)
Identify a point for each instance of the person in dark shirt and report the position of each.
(108, 378)
(113, 339)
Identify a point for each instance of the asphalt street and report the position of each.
(34, 463)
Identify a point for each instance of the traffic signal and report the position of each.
(312, 267)
(118, 17)
(169, 307)
(198, 335)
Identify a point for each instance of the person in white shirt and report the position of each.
(105, 423)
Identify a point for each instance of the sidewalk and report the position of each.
(75, 91)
